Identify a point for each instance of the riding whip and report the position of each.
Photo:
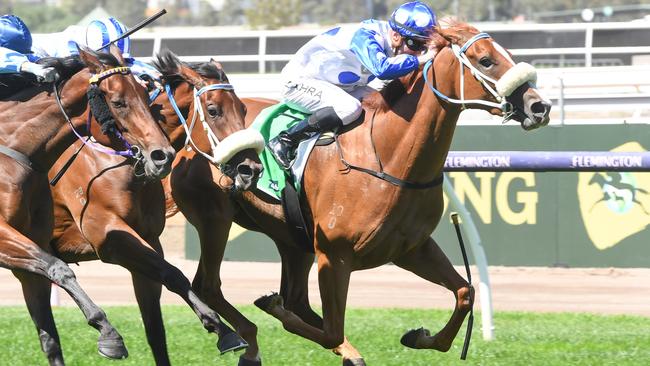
(470, 320)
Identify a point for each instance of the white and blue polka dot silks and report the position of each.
(350, 56)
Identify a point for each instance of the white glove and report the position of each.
(43, 74)
(429, 55)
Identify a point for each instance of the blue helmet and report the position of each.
(101, 31)
(14, 34)
(413, 20)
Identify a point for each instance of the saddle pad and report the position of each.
(270, 122)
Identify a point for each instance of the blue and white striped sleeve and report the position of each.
(10, 61)
(139, 68)
(373, 56)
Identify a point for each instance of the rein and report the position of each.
(381, 174)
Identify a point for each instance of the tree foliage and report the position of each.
(273, 14)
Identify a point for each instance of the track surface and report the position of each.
(593, 290)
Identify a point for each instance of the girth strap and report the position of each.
(16, 155)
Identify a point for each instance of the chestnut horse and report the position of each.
(33, 134)
(407, 129)
(102, 211)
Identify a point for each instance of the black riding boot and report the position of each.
(283, 146)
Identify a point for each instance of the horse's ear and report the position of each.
(89, 59)
(115, 51)
(450, 35)
(190, 75)
(216, 64)
(219, 67)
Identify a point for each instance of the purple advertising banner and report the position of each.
(547, 161)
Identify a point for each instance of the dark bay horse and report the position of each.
(102, 211)
(34, 132)
(359, 221)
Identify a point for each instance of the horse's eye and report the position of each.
(118, 103)
(486, 62)
(214, 111)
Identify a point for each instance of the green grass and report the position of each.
(521, 339)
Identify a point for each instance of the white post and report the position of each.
(471, 233)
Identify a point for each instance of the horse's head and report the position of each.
(489, 78)
(120, 106)
(226, 141)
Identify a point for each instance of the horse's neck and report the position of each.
(38, 128)
(412, 143)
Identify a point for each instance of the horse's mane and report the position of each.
(449, 30)
(66, 67)
(168, 64)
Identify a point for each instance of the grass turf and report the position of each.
(521, 339)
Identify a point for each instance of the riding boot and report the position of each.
(283, 146)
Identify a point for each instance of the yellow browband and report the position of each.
(118, 70)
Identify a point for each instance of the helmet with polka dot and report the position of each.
(413, 20)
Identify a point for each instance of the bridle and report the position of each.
(98, 106)
(500, 89)
(221, 150)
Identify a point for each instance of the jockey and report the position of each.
(330, 74)
(19, 51)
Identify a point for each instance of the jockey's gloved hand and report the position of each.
(429, 55)
(43, 74)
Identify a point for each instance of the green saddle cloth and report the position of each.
(270, 122)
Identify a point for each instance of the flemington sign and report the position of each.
(586, 218)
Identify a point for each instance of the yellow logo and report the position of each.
(614, 205)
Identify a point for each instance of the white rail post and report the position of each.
(480, 259)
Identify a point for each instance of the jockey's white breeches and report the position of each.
(310, 95)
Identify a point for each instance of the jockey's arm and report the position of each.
(12, 62)
(140, 68)
(373, 56)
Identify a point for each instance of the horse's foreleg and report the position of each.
(294, 283)
(296, 264)
(17, 252)
(333, 279)
(147, 293)
(125, 248)
(429, 262)
(36, 291)
(213, 234)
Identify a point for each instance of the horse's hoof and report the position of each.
(246, 362)
(267, 302)
(354, 362)
(410, 338)
(231, 342)
(112, 348)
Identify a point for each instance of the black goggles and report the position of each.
(415, 45)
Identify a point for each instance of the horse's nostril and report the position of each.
(244, 170)
(539, 108)
(159, 157)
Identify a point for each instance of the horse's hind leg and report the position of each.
(36, 290)
(429, 262)
(20, 253)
